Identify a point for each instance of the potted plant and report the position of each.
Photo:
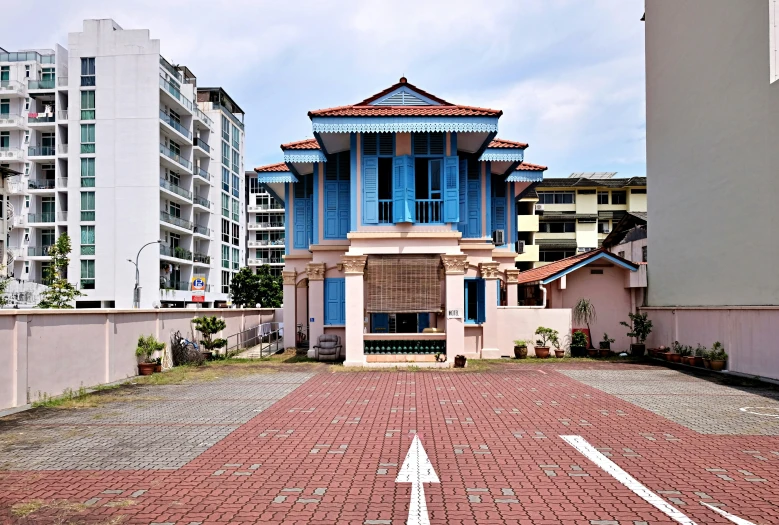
(700, 351)
(719, 357)
(546, 336)
(707, 359)
(559, 352)
(578, 344)
(520, 349)
(583, 313)
(158, 365)
(673, 355)
(640, 327)
(459, 361)
(605, 346)
(208, 327)
(147, 345)
(686, 354)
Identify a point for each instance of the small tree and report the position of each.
(640, 326)
(60, 293)
(250, 289)
(208, 327)
(547, 335)
(3, 285)
(271, 291)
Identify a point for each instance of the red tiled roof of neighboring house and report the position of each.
(526, 166)
(405, 111)
(553, 268)
(401, 83)
(280, 166)
(501, 143)
(302, 144)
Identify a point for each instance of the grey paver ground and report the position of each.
(700, 404)
(156, 427)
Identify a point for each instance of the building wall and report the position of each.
(712, 157)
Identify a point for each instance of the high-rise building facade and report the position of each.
(264, 225)
(119, 148)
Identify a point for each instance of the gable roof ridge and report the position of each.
(402, 82)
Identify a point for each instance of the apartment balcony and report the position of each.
(38, 251)
(263, 261)
(255, 208)
(11, 154)
(174, 160)
(62, 149)
(172, 96)
(12, 89)
(201, 148)
(203, 174)
(529, 254)
(176, 222)
(167, 284)
(265, 226)
(62, 115)
(263, 243)
(41, 153)
(201, 202)
(17, 253)
(201, 259)
(202, 117)
(18, 221)
(47, 217)
(527, 223)
(175, 252)
(62, 183)
(201, 231)
(16, 122)
(41, 186)
(62, 82)
(177, 192)
(175, 129)
(40, 85)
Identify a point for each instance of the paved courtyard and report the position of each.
(316, 445)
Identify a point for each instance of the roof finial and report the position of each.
(403, 79)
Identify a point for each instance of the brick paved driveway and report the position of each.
(329, 449)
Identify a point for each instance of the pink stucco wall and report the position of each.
(46, 352)
(748, 333)
(517, 322)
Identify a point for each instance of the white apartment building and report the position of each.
(119, 148)
(265, 226)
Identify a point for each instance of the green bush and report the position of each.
(147, 345)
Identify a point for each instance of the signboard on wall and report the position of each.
(454, 313)
(198, 286)
(198, 299)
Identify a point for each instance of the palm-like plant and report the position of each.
(584, 313)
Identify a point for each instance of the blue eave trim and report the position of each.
(304, 156)
(403, 124)
(503, 155)
(277, 177)
(526, 176)
(585, 262)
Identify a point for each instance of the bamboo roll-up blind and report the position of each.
(403, 284)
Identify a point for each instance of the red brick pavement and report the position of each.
(495, 431)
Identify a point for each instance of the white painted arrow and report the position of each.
(416, 470)
(731, 517)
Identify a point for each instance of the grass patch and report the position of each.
(25, 508)
(21, 510)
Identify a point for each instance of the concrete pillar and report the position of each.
(454, 313)
(489, 272)
(354, 268)
(316, 303)
(20, 364)
(512, 288)
(289, 308)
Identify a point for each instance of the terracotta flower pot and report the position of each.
(559, 353)
(542, 352)
(146, 369)
(520, 352)
(592, 352)
(637, 349)
(604, 352)
(697, 360)
(459, 361)
(605, 345)
(157, 368)
(674, 358)
(718, 365)
(706, 363)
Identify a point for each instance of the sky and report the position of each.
(568, 74)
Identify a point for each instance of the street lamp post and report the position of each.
(137, 289)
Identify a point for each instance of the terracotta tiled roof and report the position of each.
(501, 143)
(551, 269)
(401, 83)
(302, 144)
(526, 166)
(272, 167)
(405, 111)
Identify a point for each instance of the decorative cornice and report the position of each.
(316, 271)
(455, 264)
(354, 264)
(404, 124)
(489, 270)
(303, 156)
(512, 276)
(289, 278)
(526, 176)
(492, 154)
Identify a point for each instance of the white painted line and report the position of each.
(731, 517)
(416, 470)
(580, 444)
(750, 410)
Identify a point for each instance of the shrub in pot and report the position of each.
(719, 357)
(700, 351)
(208, 327)
(158, 365)
(559, 351)
(640, 328)
(546, 336)
(583, 313)
(147, 345)
(605, 346)
(685, 353)
(673, 354)
(578, 344)
(520, 348)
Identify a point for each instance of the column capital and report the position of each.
(489, 270)
(512, 276)
(354, 264)
(289, 277)
(455, 264)
(315, 271)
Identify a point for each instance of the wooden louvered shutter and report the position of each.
(403, 189)
(462, 225)
(370, 190)
(411, 191)
(452, 189)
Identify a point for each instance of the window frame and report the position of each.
(623, 196)
(87, 138)
(478, 286)
(87, 214)
(88, 78)
(87, 112)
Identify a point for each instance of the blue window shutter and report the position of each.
(380, 323)
(398, 189)
(481, 315)
(452, 189)
(309, 222)
(411, 204)
(370, 190)
(499, 214)
(335, 305)
(342, 299)
(423, 321)
(331, 209)
(301, 235)
(462, 226)
(344, 206)
(474, 215)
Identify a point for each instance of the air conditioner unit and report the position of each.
(520, 247)
(499, 237)
(606, 230)
(539, 209)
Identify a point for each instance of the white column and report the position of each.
(354, 268)
(289, 308)
(455, 266)
(316, 303)
(489, 272)
(512, 288)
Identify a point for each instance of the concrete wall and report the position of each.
(46, 352)
(519, 322)
(712, 157)
(749, 334)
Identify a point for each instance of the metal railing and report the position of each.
(200, 201)
(41, 84)
(167, 119)
(175, 156)
(385, 211)
(177, 221)
(174, 92)
(200, 172)
(26, 56)
(40, 151)
(42, 119)
(44, 184)
(167, 66)
(38, 251)
(47, 216)
(174, 285)
(429, 211)
(201, 258)
(200, 143)
(202, 116)
(201, 230)
(175, 188)
(268, 336)
(175, 251)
